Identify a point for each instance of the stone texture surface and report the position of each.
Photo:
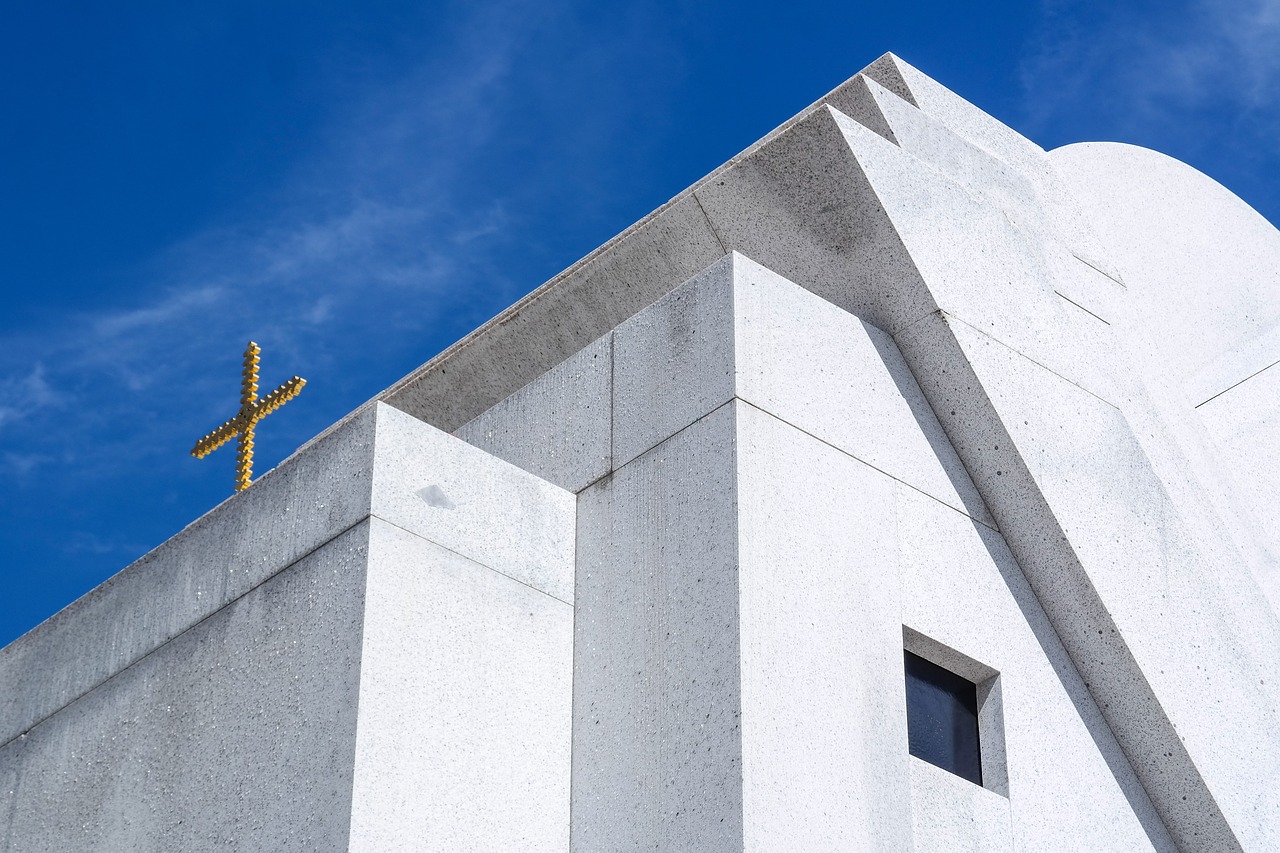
(219, 705)
(560, 318)
(238, 732)
(444, 489)
(820, 621)
(1179, 237)
(465, 688)
(843, 381)
(1069, 784)
(721, 702)
(668, 347)
(657, 744)
(1069, 222)
(948, 813)
(977, 259)
(660, 252)
(802, 207)
(1003, 335)
(1113, 581)
(1202, 319)
(674, 362)
(741, 330)
(928, 385)
(559, 426)
(1243, 424)
(286, 514)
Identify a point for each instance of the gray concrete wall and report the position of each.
(954, 235)
(288, 513)
(239, 732)
(465, 694)
(657, 751)
(1016, 405)
(374, 640)
(785, 506)
(467, 659)
(1001, 273)
(1041, 414)
(1202, 323)
(820, 615)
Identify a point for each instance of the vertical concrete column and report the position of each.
(657, 753)
(825, 766)
(737, 660)
(738, 680)
(463, 727)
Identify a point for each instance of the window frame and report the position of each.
(987, 684)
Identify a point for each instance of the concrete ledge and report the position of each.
(282, 517)
(382, 463)
(240, 732)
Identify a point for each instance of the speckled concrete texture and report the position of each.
(1243, 424)
(721, 702)
(218, 705)
(820, 616)
(802, 207)
(561, 318)
(1091, 491)
(657, 745)
(464, 724)
(286, 514)
(1202, 316)
(1178, 236)
(1062, 209)
(741, 330)
(557, 426)
(456, 495)
(239, 732)
(843, 381)
(951, 814)
(1069, 784)
(1114, 585)
(892, 377)
(673, 362)
(973, 260)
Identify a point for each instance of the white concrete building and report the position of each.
(635, 565)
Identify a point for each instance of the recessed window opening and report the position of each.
(942, 718)
(955, 716)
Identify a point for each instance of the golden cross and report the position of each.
(252, 410)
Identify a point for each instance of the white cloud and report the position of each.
(25, 395)
(83, 541)
(372, 225)
(1140, 70)
(24, 463)
(172, 307)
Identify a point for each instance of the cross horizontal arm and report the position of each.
(217, 438)
(252, 410)
(277, 398)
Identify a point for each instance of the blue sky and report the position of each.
(357, 186)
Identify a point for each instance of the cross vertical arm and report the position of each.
(252, 409)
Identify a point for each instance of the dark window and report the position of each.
(942, 718)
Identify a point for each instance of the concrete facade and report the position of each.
(893, 378)
(408, 665)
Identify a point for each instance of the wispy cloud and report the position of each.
(25, 395)
(1138, 71)
(369, 233)
(131, 369)
(87, 542)
(23, 463)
